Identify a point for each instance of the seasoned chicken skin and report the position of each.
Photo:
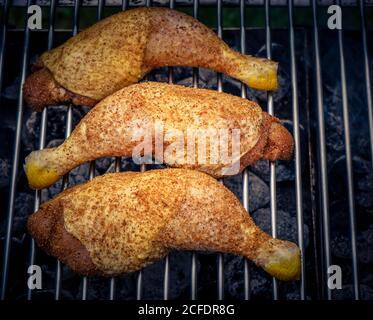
(119, 223)
(121, 49)
(113, 128)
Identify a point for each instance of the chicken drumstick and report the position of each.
(119, 223)
(121, 49)
(112, 129)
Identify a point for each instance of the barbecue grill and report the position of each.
(323, 198)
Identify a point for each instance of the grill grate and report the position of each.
(321, 165)
(296, 134)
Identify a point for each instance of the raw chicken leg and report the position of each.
(119, 223)
(113, 128)
(121, 49)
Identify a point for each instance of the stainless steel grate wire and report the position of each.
(321, 148)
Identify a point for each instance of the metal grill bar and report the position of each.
(350, 178)
(58, 281)
(124, 5)
(17, 144)
(298, 161)
(112, 289)
(220, 89)
(272, 164)
(139, 274)
(2, 55)
(43, 129)
(85, 279)
(166, 281)
(32, 245)
(117, 168)
(139, 286)
(245, 174)
(367, 75)
(193, 279)
(100, 9)
(84, 288)
(323, 167)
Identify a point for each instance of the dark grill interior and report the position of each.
(322, 200)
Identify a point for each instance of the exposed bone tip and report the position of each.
(39, 176)
(281, 260)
